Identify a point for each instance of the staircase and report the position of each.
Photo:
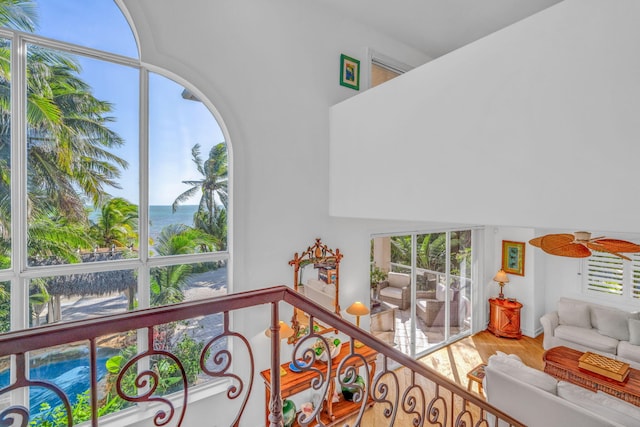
(238, 382)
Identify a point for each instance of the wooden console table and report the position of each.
(562, 363)
(296, 382)
(504, 318)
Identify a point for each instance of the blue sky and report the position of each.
(175, 124)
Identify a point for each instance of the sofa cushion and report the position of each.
(398, 280)
(596, 402)
(390, 292)
(620, 405)
(587, 337)
(329, 288)
(611, 322)
(519, 371)
(634, 331)
(574, 313)
(629, 351)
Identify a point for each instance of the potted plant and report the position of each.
(376, 276)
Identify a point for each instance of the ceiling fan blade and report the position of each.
(601, 248)
(537, 241)
(618, 245)
(563, 245)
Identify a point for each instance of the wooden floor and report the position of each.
(455, 360)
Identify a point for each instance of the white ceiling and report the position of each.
(437, 27)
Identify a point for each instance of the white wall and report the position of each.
(529, 127)
(271, 69)
(522, 288)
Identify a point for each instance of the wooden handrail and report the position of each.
(20, 342)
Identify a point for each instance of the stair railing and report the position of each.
(397, 389)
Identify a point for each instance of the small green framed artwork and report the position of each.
(349, 72)
(513, 257)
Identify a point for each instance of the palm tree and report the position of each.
(68, 140)
(68, 143)
(213, 187)
(217, 228)
(167, 283)
(432, 251)
(117, 223)
(19, 14)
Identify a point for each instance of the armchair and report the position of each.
(432, 311)
(396, 290)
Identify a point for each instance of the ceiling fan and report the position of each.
(580, 244)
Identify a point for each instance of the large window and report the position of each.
(113, 188)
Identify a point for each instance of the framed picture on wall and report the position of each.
(513, 257)
(349, 72)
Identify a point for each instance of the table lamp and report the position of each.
(502, 278)
(358, 309)
(285, 330)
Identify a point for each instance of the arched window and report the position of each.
(113, 179)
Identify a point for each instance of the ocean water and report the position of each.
(160, 216)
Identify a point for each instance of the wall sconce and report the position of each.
(502, 278)
(358, 309)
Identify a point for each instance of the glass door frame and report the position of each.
(473, 294)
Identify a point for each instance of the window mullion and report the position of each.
(144, 300)
(19, 288)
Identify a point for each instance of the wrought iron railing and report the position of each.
(395, 389)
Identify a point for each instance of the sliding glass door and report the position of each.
(427, 287)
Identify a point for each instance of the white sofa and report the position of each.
(538, 400)
(321, 293)
(593, 327)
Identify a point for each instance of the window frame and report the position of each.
(21, 272)
(376, 58)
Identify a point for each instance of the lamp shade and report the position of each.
(358, 309)
(501, 276)
(285, 330)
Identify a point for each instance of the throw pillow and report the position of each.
(506, 359)
(612, 323)
(574, 313)
(398, 280)
(510, 356)
(634, 331)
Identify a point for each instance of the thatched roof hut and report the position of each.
(95, 283)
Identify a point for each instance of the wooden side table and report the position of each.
(504, 318)
(295, 382)
(476, 375)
